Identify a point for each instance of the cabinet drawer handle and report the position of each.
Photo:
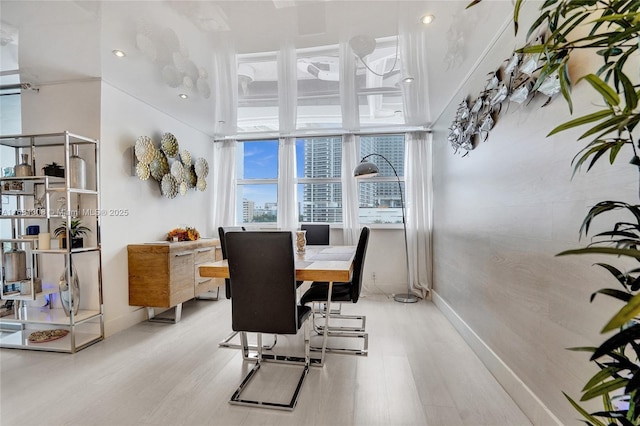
(204, 250)
(183, 253)
(200, 282)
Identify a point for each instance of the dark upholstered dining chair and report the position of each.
(221, 232)
(226, 342)
(262, 273)
(317, 235)
(342, 292)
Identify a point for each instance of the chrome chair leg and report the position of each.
(333, 311)
(361, 352)
(335, 314)
(340, 332)
(226, 343)
(360, 329)
(236, 398)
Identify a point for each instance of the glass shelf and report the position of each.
(44, 315)
(20, 339)
(18, 296)
(45, 139)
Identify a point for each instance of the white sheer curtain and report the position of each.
(224, 152)
(418, 184)
(348, 89)
(287, 114)
(413, 51)
(224, 183)
(350, 205)
(287, 181)
(287, 89)
(225, 91)
(350, 144)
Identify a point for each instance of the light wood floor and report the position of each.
(419, 372)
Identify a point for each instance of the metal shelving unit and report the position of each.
(47, 201)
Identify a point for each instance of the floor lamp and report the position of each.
(368, 169)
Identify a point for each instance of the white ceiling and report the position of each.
(44, 42)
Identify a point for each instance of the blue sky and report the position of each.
(261, 162)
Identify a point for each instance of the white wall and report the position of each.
(99, 110)
(151, 216)
(500, 217)
(73, 106)
(54, 108)
(386, 259)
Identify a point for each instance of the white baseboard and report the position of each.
(528, 401)
(122, 323)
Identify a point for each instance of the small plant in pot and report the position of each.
(76, 231)
(53, 169)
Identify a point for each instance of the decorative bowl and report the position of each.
(177, 170)
(201, 168)
(190, 177)
(144, 149)
(185, 157)
(169, 145)
(142, 171)
(169, 186)
(159, 166)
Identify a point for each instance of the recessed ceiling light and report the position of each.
(119, 53)
(407, 79)
(427, 19)
(183, 96)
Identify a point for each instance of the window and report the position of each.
(319, 167)
(319, 163)
(379, 197)
(257, 196)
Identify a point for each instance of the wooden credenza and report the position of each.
(165, 274)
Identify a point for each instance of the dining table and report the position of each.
(316, 263)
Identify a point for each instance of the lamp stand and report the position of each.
(405, 298)
(408, 297)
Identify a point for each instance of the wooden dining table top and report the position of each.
(317, 263)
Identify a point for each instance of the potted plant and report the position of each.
(76, 231)
(53, 169)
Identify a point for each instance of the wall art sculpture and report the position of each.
(173, 169)
(517, 81)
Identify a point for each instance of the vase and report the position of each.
(301, 241)
(70, 299)
(24, 168)
(77, 170)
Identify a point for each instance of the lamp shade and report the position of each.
(365, 168)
